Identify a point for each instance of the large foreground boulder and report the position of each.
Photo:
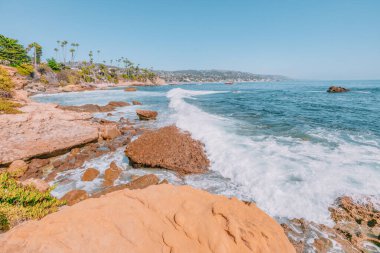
(168, 148)
(161, 218)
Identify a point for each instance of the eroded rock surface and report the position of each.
(146, 114)
(168, 148)
(95, 108)
(43, 130)
(336, 89)
(162, 218)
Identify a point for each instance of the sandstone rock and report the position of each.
(35, 169)
(17, 168)
(75, 196)
(109, 131)
(39, 184)
(130, 89)
(168, 148)
(162, 218)
(95, 108)
(336, 89)
(111, 174)
(143, 182)
(146, 115)
(43, 130)
(90, 174)
(134, 102)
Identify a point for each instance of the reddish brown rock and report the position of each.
(160, 218)
(130, 89)
(109, 131)
(17, 168)
(146, 114)
(336, 89)
(74, 196)
(35, 169)
(118, 103)
(168, 148)
(95, 108)
(111, 174)
(90, 174)
(39, 184)
(134, 102)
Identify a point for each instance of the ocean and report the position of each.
(290, 147)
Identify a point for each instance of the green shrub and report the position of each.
(6, 83)
(25, 69)
(12, 52)
(19, 203)
(53, 64)
(8, 107)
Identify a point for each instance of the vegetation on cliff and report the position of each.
(19, 203)
(6, 86)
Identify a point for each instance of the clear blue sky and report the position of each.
(308, 39)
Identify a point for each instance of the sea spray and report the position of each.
(287, 177)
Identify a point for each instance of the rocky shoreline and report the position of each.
(46, 140)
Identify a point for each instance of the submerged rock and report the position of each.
(336, 89)
(146, 115)
(111, 174)
(168, 148)
(90, 174)
(162, 218)
(134, 102)
(130, 89)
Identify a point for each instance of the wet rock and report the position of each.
(39, 184)
(146, 114)
(358, 222)
(111, 174)
(17, 168)
(90, 174)
(130, 89)
(143, 182)
(165, 181)
(135, 102)
(118, 103)
(168, 148)
(75, 196)
(109, 114)
(109, 131)
(336, 89)
(75, 151)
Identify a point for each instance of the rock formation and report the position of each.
(42, 130)
(336, 89)
(168, 148)
(162, 218)
(90, 174)
(146, 115)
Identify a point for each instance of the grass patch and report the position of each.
(25, 69)
(9, 107)
(19, 203)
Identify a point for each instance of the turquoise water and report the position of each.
(289, 146)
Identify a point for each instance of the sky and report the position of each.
(303, 39)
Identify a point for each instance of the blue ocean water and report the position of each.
(289, 146)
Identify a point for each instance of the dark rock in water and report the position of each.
(111, 174)
(134, 102)
(336, 89)
(168, 148)
(130, 89)
(90, 174)
(35, 169)
(146, 115)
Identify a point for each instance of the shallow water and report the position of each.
(289, 146)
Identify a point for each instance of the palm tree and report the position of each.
(56, 53)
(63, 45)
(90, 54)
(98, 51)
(111, 62)
(72, 50)
(36, 53)
(59, 44)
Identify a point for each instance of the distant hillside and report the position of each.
(215, 76)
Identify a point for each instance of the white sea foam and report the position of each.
(293, 179)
